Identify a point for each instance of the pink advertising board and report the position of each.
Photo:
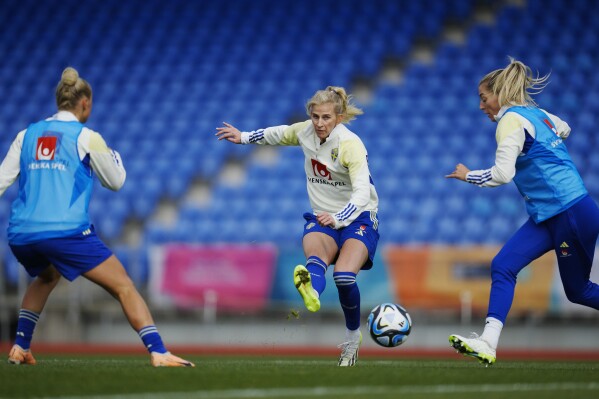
(232, 277)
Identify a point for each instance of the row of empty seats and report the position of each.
(162, 86)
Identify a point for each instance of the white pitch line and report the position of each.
(349, 391)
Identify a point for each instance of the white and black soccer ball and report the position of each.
(389, 325)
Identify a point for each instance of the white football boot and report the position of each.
(349, 352)
(475, 347)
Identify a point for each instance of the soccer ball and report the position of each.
(389, 325)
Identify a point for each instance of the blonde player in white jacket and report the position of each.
(49, 232)
(342, 228)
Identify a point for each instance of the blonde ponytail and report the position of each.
(515, 84)
(339, 98)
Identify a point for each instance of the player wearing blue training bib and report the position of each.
(49, 230)
(343, 226)
(563, 218)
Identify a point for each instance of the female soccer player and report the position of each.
(563, 217)
(49, 230)
(342, 227)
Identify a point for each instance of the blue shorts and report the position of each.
(71, 256)
(363, 229)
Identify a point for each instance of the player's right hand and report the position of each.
(229, 133)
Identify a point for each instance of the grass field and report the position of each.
(97, 376)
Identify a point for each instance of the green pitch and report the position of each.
(225, 377)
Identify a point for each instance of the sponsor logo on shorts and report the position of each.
(310, 225)
(564, 250)
(361, 230)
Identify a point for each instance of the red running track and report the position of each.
(391, 353)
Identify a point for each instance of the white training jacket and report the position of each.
(337, 174)
(510, 136)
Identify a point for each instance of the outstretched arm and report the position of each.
(274, 135)
(510, 137)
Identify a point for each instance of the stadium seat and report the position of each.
(166, 88)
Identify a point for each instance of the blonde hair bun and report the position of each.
(71, 89)
(69, 76)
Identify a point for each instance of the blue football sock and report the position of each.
(317, 269)
(27, 322)
(349, 297)
(151, 339)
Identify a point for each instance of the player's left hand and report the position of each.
(459, 172)
(325, 219)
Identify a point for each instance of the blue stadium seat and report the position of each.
(165, 89)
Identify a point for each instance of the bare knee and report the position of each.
(111, 276)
